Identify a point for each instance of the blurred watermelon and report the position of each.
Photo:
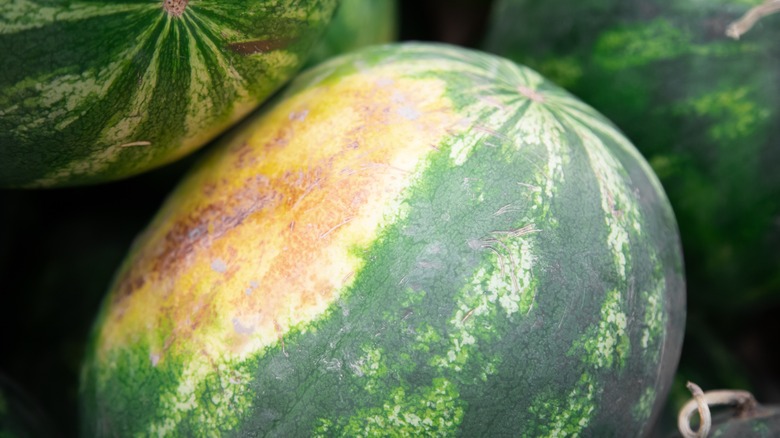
(356, 24)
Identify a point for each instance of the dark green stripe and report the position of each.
(25, 153)
(68, 47)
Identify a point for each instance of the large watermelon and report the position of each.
(704, 109)
(416, 240)
(94, 91)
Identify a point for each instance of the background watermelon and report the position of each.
(95, 91)
(415, 238)
(356, 24)
(705, 110)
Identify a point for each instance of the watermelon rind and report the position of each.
(416, 240)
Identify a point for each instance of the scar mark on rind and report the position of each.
(135, 143)
(258, 46)
(468, 315)
(335, 227)
(517, 232)
(489, 131)
(506, 209)
(348, 277)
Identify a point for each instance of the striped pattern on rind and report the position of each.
(417, 238)
(703, 108)
(92, 92)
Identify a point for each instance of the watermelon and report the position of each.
(415, 239)
(20, 416)
(704, 108)
(356, 24)
(96, 91)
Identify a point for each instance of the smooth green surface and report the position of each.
(533, 287)
(95, 91)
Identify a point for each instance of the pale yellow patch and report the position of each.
(269, 232)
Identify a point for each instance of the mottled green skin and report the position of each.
(578, 346)
(703, 108)
(20, 417)
(357, 24)
(91, 91)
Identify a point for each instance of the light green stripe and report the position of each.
(20, 15)
(585, 115)
(124, 128)
(66, 95)
(201, 102)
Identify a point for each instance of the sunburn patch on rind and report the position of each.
(337, 185)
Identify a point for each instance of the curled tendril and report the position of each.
(751, 17)
(742, 401)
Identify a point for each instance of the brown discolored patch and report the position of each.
(200, 228)
(244, 155)
(175, 8)
(233, 266)
(128, 284)
(255, 47)
(247, 156)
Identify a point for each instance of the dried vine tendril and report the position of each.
(742, 401)
(751, 17)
